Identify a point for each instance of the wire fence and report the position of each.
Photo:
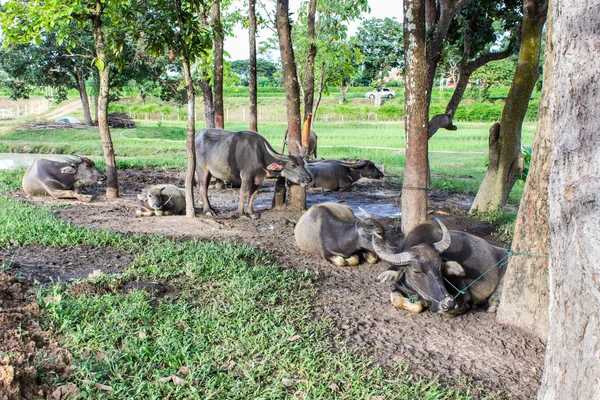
(25, 109)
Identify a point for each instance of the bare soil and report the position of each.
(498, 359)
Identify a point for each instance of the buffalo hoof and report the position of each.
(254, 216)
(353, 261)
(209, 213)
(371, 257)
(338, 260)
(402, 302)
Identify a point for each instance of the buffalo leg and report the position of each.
(251, 196)
(204, 181)
(399, 301)
(244, 192)
(371, 257)
(68, 194)
(337, 260)
(353, 261)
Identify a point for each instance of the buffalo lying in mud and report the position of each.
(243, 158)
(161, 200)
(332, 231)
(57, 179)
(429, 256)
(341, 175)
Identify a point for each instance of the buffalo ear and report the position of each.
(275, 167)
(69, 169)
(452, 268)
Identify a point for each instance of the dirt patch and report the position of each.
(65, 264)
(26, 349)
(498, 358)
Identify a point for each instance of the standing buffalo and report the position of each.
(332, 231)
(312, 144)
(340, 175)
(57, 179)
(428, 256)
(243, 158)
(161, 200)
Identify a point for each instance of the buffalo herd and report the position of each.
(432, 267)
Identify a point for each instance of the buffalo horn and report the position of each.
(397, 259)
(274, 154)
(71, 158)
(368, 215)
(444, 243)
(360, 164)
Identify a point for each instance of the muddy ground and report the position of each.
(499, 359)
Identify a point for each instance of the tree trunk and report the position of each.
(112, 183)
(524, 302)
(343, 91)
(209, 105)
(83, 95)
(252, 85)
(507, 163)
(309, 72)
(416, 175)
(190, 211)
(292, 95)
(218, 74)
(572, 363)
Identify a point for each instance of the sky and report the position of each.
(237, 46)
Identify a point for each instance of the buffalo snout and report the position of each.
(448, 304)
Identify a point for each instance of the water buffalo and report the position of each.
(243, 158)
(429, 256)
(341, 175)
(57, 179)
(161, 200)
(332, 231)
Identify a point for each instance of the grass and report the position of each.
(232, 326)
(457, 158)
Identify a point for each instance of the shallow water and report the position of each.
(15, 160)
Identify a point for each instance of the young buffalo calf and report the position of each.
(161, 200)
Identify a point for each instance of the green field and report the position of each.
(457, 157)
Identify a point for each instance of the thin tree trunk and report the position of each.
(252, 84)
(292, 94)
(218, 74)
(524, 302)
(416, 174)
(207, 98)
(112, 183)
(309, 73)
(343, 91)
(506, 164)
(83, 95)
(190, 211)
(572, 365)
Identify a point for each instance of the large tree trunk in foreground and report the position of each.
(218, 75)
(505, 161)
(292, 96)
(572, 368)
(83, 95)
(112, 183)
(416, 109)
(524, 302)
(252, 85)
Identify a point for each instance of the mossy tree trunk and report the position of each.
(505, 159)
(416, 175)
(524, 302)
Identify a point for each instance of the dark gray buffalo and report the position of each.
(428, 256)
(341, 175)
(245, 159)
(332, 231)
(57, 179)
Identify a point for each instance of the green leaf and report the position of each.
(100, 64)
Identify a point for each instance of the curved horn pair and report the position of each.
(73, 158)
(403, 258)
(274, 154)
(444, 243)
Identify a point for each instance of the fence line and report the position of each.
(35, 107)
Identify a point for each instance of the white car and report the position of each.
(385, 93)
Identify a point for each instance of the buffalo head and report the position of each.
(290, 167)
(83, 169)
(423, 271)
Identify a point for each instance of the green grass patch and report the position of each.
(232, 326)
(503, 220)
